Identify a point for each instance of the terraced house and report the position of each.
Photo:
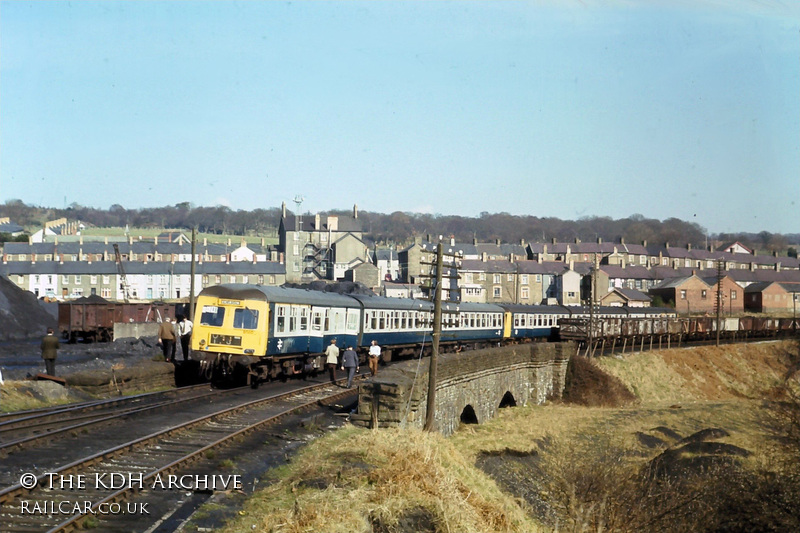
(147, 268)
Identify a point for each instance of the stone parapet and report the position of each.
(474, 382)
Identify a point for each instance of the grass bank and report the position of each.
(688, 451)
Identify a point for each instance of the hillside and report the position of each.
(690, 447)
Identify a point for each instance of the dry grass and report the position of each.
(18, 396)
(583, 466)
(702, 374)
(355, 480)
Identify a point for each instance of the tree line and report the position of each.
(401, 228)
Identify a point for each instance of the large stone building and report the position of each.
(320, 247)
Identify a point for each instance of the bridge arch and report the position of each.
(468, 415)
(507, 400)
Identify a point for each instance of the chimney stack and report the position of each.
(355, 210)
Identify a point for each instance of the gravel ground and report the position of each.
(22, 359)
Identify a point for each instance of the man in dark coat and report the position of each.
(350, 362)
(166, 337)
(50, 351)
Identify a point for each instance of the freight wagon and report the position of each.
(92, 318)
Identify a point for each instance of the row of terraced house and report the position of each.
(327, 247)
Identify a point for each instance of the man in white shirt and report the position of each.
(374, 357)
(185, 333)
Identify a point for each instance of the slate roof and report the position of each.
(673, 283)
(308, 222)
(632, 294)
(10, 227)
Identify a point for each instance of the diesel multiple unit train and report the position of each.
(256, 333)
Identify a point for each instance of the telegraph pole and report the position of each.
(190, 312)
(430, 411)
(719, 298)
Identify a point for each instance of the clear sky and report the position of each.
(687, 109)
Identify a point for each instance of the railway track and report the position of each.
(649, 343)
(113, 482)
(24, 428)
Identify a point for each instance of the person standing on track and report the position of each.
(50, 351)
(332, 359)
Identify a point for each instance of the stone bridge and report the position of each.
(471, 386)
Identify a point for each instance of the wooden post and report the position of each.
(190, 312)
(374, 414)
(437, 333)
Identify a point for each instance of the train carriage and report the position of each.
(402, 322)
(470, 322)
(533, 321)
(270, 331)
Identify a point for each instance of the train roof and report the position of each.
(280, 295)
(536, 309)
(381, 302)
(470, 307)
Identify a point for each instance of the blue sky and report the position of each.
(687, 109)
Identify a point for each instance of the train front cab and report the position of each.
(231, 333)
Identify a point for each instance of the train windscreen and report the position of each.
(212, 315)
(245, 318)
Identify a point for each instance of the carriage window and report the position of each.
(517, 321)
(316, 322)
(382, 320)
(483, 321)
(374, 321)
(352, 321)
(212, 315)
(303, 319)
(280, 324)
(245, 318)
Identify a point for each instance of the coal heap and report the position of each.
(339, 287)
(21, 314)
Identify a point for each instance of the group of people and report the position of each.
(169, 332)
(349, 360)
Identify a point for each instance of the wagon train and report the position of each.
(92, 319)
(252, 333)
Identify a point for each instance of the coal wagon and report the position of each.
(92, 319)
